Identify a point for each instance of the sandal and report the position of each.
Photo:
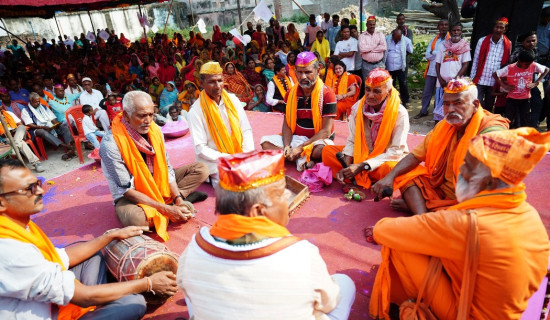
(68, 156)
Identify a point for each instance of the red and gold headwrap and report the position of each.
(371, 18)
(510, 154)
(503, 20)
(458, 85)
(305, 59)
(377, 77)
(70, 75)
(244, 171)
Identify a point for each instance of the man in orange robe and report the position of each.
(146, 189)
(377, 139)
(512, 255)
(431, 186)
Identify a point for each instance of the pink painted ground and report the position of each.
(79, 207)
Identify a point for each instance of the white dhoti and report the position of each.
(277, 140)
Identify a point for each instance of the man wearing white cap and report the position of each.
(92, 97)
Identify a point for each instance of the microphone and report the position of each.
(341, 158)
(387, 192)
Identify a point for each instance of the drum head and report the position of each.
(162, 261)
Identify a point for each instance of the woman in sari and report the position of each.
(167, 97)
(283, 51)
(135, 66)
(156, 89)
(217, 36)
(345, 87)
(250, 74)
(125, 42)
(235, 83)
(268, 72)
(197, 73)
(180, 62)
(187, 72)
(124, 70)
(293, 37)
(189, 96)
(205, 56)
(258, 102)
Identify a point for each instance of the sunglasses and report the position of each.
(32, 188)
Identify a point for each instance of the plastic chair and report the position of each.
(40, 144)
(79, 137)
(31, 144)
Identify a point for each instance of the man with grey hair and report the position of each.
(269, 267)
(430, 187)
(146, 189)
(310, 112)
(43, 123)
(217, 121)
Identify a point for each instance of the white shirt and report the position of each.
(347, 46)
(88, 125)
(271, 91)
(205, 149)
(44, 112)
(92, 99)
(450, 64)
(293, 283)
(30, 283)
(70, 91)
(397, 147)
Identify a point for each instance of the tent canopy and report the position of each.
(47, 8)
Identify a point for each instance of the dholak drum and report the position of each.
(138, 257)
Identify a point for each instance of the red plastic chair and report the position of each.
(40, 144)
(76, 112)
(31, 144)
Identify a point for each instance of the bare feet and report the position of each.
(369, 234)
(399, 205)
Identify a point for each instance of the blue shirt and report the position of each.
(21, 95)
(331, 36)
(543, 38)
(60, 106)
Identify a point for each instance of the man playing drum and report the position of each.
(36, 280)
(248, 265)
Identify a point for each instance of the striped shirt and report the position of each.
(372, 46)
(492, 63)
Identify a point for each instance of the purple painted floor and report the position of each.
(78, 206)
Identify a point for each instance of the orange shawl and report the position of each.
(292, 106)
(506, 198)
(235, 226)
(280, 86)
(441, 138)
(9, 121)
(342, 83)
(360, 146)
(329, 76)
(156, 185)
(292, 73)
(224, 142)
(35, 236)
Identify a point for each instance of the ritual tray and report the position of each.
(299, 193)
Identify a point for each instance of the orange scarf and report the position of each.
(224, 142)
(329, 77)
(9, 121)
(342, 84)
(506, 198)
(292, 73)
(235, 226)
(432, 47)
(360, 146)
(292, 106)
(35, 236)
(280, 86)
(441, 138)
(156, 185)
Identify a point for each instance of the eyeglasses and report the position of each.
(32, 188)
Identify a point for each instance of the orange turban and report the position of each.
(510, 154)
(458, 85)
(211, 68)
(244, 171)
(377, 77)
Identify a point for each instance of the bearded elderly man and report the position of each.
(486, 255)
(37, 283)
(247, 264)
(432, 186)
(146, 190)
(217, 121)
(377, 139)
(309, 119)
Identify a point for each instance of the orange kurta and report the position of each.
(512, 262)
(443, 153)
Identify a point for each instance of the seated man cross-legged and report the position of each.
(248, 265)
(309, 119)
(377, 139)
(432, 186)
(483, 257)
(36, 280)
(146, 189)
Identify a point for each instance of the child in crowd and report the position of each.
(88, 126)
(113, 105)
(518, 84)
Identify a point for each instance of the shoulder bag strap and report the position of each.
(245, 255)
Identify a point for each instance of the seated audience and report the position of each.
(91, 132)
(235, 83)
(277, 89)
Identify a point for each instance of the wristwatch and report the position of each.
(367, 167)
(176, 197)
